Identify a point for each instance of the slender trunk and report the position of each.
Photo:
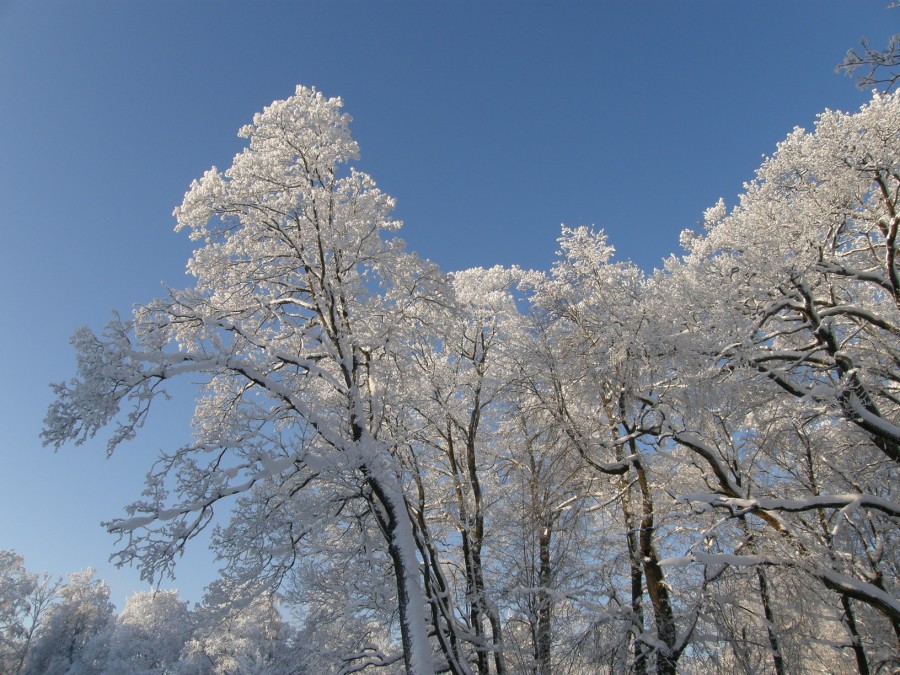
(544, 636)
(777, 658)
(637, 576)
(637, 604)
(657, 589)
(485, 608)
(766, 601)
(472, 593)
(467, 532)
(437, 589)
(859, 652)
(465, 472)
(497, 630)
(862, 664)
(633, 539)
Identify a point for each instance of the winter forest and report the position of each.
(592, 469)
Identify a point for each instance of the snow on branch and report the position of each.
(741, 506)
(841, 583)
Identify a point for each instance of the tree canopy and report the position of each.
(590, 469)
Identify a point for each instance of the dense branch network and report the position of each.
(497, 470)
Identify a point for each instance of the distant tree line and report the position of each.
(70, 626)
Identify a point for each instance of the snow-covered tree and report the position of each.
(455, 373)
(148, 634)
(24, 600)
(236, 631)
(601, 382)
(298, 295)
(490, 471)
(794, 299)
(81, 612)
(16, 586)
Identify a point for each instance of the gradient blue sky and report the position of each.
(490, 122)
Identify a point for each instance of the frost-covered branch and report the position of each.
(860, 590)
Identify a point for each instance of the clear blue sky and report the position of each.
(490, 122)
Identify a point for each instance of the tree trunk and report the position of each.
(862, 664)
(777, 658)
(437, 589)
(393, 517)
(657, 589)
(544, 636)
(472, 536)
(476, 542)
(637, 574)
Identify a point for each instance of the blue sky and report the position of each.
(490, 122)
